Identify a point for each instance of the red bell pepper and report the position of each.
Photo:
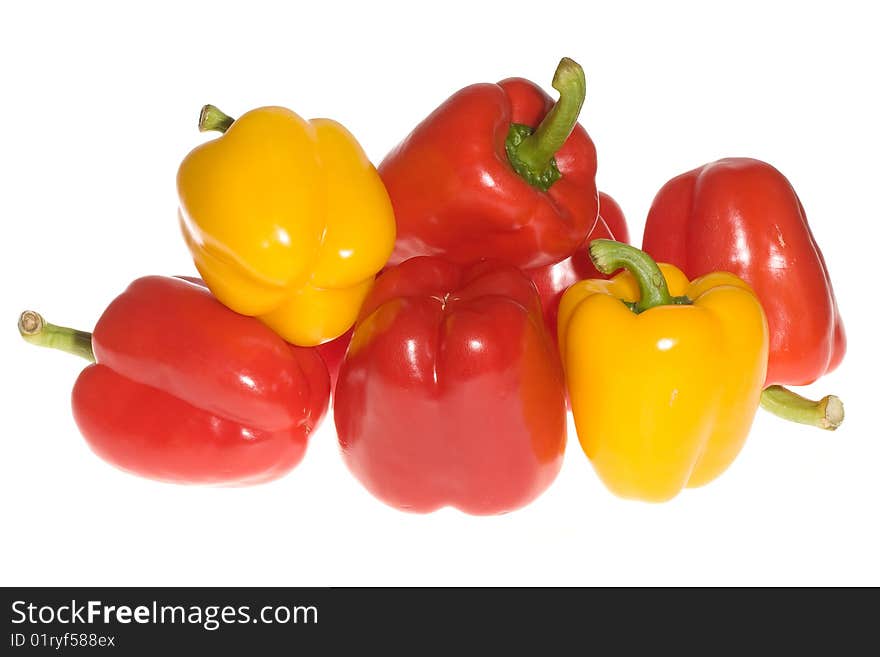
(743, 216)
(451, 393)
(185, 390)
(553, 280)
(477, 179)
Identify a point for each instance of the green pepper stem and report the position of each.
(212, 118)
(608, 256)
(827, 413)
(531, 152)
(538, 149)
(34, 329)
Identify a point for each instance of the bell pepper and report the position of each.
(553, 280)
(664, 375)
(184, 390)
(451, 393)
(497, 171)
(286, 220)
(743, 216)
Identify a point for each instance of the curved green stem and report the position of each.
(212, 118)
(538, 149)
(827, 413)
(532, 153)
(34, 329)
(608, 256)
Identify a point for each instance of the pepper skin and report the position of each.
(612, 214)
(465, 187)
(186, 391)
(286, 220)
(553, 280)
(333, 353)
(743, 216)
(451, 393)
(663, 392)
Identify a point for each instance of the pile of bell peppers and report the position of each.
(456, 301)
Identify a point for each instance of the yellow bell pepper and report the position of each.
(286, 220)
(664, 375)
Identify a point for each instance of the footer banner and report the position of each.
(262, 621)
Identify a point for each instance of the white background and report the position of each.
(99, 104)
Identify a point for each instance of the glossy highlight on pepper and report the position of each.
(287, 220)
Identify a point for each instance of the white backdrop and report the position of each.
(99, 104)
